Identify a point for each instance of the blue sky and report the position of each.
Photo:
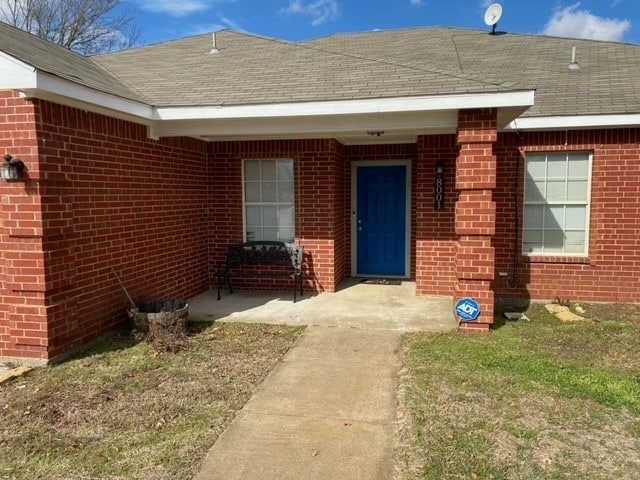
(160, 20)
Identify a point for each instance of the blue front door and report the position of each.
(381, 227)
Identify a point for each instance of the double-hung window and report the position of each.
(269, 208)
(557, 203)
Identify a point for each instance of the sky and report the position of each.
(295, 20)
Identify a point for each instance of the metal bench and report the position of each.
(245, 260)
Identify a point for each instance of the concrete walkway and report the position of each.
(328, 410)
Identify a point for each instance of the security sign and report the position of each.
(468, 309)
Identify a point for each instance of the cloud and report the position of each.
(417, 2)
(574, 23)
(176, 8)
(321, 10)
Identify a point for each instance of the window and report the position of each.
(556, 204)
(269, 210)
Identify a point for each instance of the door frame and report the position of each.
(354, 212)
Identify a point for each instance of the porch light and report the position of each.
(438, 193)
(12, 168)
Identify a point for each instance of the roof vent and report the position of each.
(214, 45)
(574, 64)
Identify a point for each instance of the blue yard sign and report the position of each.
(468, 309)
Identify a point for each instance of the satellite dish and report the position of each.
(492, 16)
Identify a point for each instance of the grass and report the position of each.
(539, 399)
(123, 411)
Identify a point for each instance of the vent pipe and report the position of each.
(214, 43)
(574, 64)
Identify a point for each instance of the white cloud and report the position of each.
(574, 23)
(321, 10)
(180, 8)
(417, 2)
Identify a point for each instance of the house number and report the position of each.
(439, 193)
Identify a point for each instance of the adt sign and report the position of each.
(468, 309)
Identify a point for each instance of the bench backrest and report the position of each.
(265, 253)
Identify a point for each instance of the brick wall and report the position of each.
(476, 170)
(435, 229)
(612, 270)
(109, 198)
(319, 177)
(22, 260)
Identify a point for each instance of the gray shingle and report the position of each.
(53, 59)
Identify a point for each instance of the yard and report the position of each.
(122, 410)
(538, 399)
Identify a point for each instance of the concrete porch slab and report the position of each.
(355, 305)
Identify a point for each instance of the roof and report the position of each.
(248, 69)
(424, 61)
(61, 62)
(605, 83)
(435, 62)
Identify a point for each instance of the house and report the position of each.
(479, 165)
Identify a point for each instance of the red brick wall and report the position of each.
(435, 229)
(612, 270)
(22, 261)
(476, 170)
(110, 197)
(319, 176)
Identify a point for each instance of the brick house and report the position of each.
(478, 165)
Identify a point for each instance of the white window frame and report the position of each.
(277, 204)
(566, 202)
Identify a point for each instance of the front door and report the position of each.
(381, 220)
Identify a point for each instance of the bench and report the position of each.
(245, 259)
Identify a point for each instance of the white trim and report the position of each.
(48, 85)
(16, 74)
(575, 122)
(354, 210)
(350, 107)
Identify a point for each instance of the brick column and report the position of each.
(476, 213)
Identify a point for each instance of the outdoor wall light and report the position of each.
(439, 188)
(12, 168)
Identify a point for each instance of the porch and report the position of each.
(356, 304)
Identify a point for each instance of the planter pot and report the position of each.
(160, 316)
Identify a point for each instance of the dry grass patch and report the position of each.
(538, 399)
(121, 410)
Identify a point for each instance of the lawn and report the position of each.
(534, 400)
(124, 411)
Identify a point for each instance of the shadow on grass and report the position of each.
(120, 340)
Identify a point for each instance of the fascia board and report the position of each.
(575, 122)
(49, 87)
(442, 120)
(350, 107)
(16, 74)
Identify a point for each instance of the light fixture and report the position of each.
(438, 193)
(12, 168)
(375, 133)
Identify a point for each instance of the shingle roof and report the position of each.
(249, 69)
(606, 83)
(252, 70)
(50, 58)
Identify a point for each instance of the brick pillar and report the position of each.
(476, 213)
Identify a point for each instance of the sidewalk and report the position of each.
(327, 411)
